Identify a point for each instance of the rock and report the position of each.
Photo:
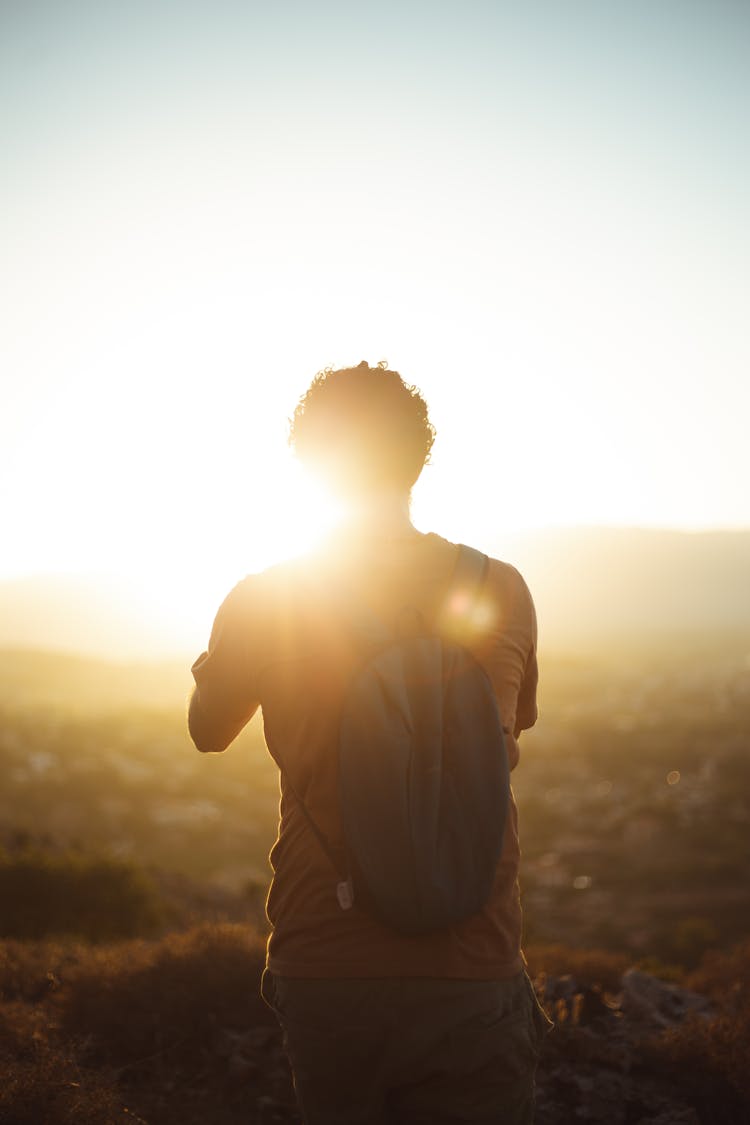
(593, 1069)
(654, 1002)
(571, 1002)
(672, 1115)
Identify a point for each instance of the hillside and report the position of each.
(44, 678)
(634, 807)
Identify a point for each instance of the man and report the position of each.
(379, 1027)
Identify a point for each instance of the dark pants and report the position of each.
(410, 1051)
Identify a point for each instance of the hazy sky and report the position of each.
(536, 212)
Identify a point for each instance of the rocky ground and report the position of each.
(173, 1032)
(601, 1064)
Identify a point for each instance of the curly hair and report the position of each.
(364, 428)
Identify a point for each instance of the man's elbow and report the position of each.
(204, 738)
(525, 722)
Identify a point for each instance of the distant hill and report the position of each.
(591, 587)
(96, 617)
(32, 678)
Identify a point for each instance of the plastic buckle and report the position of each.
(345, 894)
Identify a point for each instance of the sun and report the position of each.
(251, 530)
(299, 513)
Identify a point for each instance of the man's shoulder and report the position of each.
(500, 574)
(263, 591)
(431, 556)
(508, 575)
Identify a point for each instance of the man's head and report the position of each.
(364, 430)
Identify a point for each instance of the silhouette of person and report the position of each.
(379, 1027)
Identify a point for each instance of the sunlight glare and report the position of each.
(290, 519)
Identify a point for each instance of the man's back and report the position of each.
(291, 653)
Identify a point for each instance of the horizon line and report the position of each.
(103, 573)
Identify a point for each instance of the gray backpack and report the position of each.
(424, 780)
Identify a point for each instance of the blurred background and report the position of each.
(538, 214)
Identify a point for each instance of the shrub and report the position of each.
(715, 1052)
(174, 1030)
(28, 970)
(723, 973)
(96, 899)
(166, 1002)
(588, 967)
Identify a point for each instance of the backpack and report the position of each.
(424, 779)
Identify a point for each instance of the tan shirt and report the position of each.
(277, 644)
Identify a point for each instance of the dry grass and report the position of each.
(144, 1003)
(174, 1030)
(32, 970)
(718, 1047)
(91, 897)
(165, 1031)
(589, 967)
(43, 1081)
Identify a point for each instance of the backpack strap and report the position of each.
(371, 632)
(344, 888)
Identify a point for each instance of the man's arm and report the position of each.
(212, 729)
(224, 699)
(526, 710)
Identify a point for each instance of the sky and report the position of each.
(537, 213)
